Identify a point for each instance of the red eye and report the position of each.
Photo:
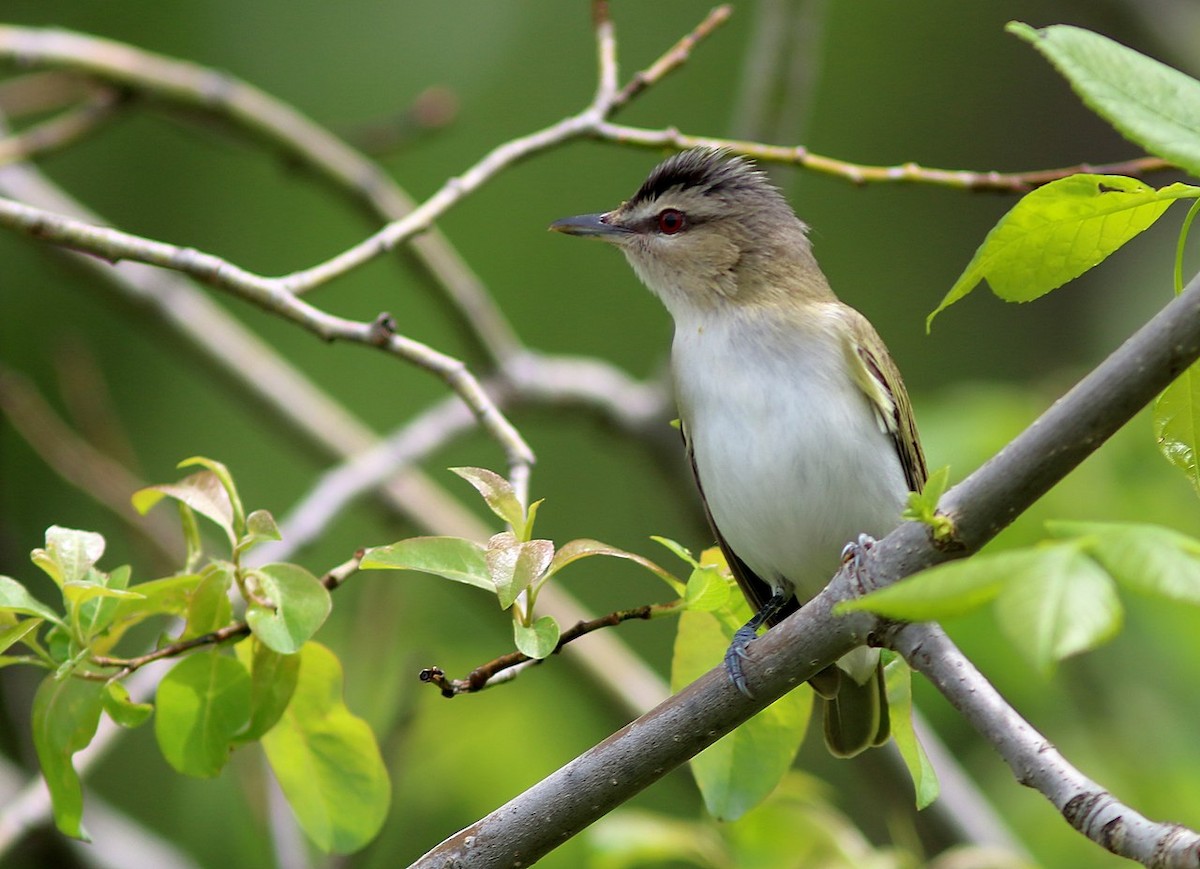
(670, 221)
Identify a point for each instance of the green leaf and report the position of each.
(93, 603)
(1147, 559)
(168, 596)
(65, 715)
(537, 640)
(222, 474)
(121, 708)
(202, 491)
(273, 680)
(1069, 605)
(1148, 102)
(260, 526)
(1177, 423)
(327, 761)
(707, 590)
(69, 554)
(574, 550)
(301, 605)
(679, 551)
(203, 702)
(15, 631)
(209, 607)
(1059, 231)
(742, 768)
(951, 589)
(514, 565)
(898, 678)
(450, 557)
(499, 495)
(15, 598)
(923, 506)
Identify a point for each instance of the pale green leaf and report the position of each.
(14, 597)
(208, 606)
(327, 761)
(678, 550)
(15, 631)
(1177, 423)
(537, 640)
(260, 526)
(65, 714)
(202, 491)
(742, 768)
(222, 474)
(299, 606)
(273, 679)
(707, 590)
(1068, 605)
(514, 565)
(121, 708)
(574, 550)
(898, 678)
(69, 554)
(1148, 102)
(499, 495)
(951, 589)
(203, 702)
(1059, 231)
(1148, 559)
(450, 557)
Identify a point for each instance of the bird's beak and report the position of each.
(590, 226)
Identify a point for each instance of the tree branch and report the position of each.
(1036, 763)
(485, 675)
(642, 752)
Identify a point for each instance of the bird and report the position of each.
(795, 420)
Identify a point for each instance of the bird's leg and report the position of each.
(747, 633)
(852, 554)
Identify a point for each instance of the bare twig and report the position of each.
(114, 245)
(983, 504)
(673, 58)
(484, 676)
(125, 666)
(1036, 763)
(61, 131)
(859, 173)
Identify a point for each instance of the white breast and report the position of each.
(791, 456)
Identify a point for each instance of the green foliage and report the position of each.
(1148, 102)
(1056, 599)
(210, 702)
(898, 680)
(923, 506)
(513, 565)
(66, 712)
(1059, 231)
(326, 759)
(742, 768)
(202, 704)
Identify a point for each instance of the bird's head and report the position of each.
(706, 230)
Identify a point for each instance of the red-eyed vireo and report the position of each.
(795, 418)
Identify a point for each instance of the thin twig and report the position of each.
(114, 245)
(125, 666)
(485, 675)
(673, 58)
(62, 130)
(859, 173)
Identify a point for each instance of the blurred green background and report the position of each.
(873, 81)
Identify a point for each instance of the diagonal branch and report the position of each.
(644, 751)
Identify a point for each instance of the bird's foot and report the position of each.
(735, 654)
(852, 554)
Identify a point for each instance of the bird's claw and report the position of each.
(735, 654)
